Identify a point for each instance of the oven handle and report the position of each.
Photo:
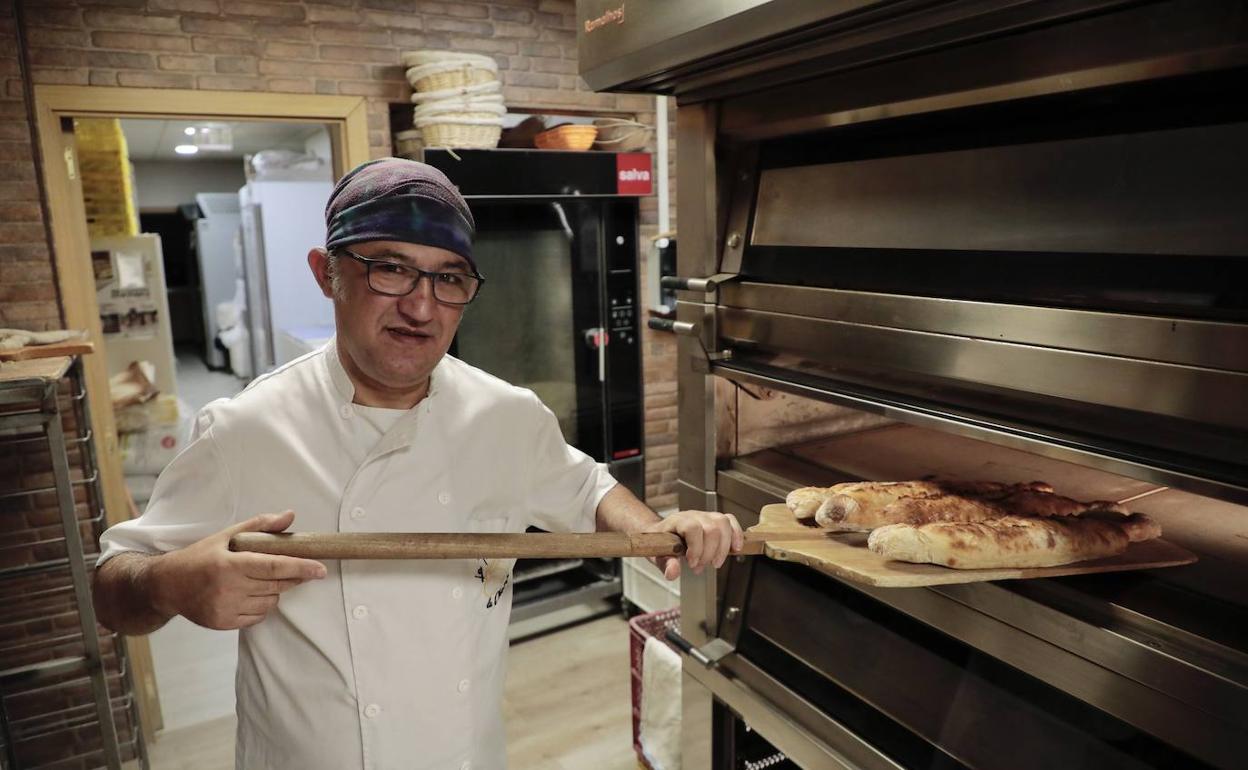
(668, 325)
(709, 654)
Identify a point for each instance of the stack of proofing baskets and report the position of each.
(458, 98)
(107, 184)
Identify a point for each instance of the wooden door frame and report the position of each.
(346, 117)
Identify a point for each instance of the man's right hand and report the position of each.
(217, 588)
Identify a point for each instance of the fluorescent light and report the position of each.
(186, 149)
(189, 131)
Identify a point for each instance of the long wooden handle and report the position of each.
(454, 545)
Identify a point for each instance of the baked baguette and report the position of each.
(1011, 541)
(861, 506)
(1033, 503)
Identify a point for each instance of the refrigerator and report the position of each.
(281, 222)
(214, 240)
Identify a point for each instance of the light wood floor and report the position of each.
(567, 706)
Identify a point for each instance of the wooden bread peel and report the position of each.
(492, 545)
(778, 535)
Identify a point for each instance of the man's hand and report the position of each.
(217, 588)
(709, 538)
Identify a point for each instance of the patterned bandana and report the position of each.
(393, 199)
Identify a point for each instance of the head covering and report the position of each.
(393, 199)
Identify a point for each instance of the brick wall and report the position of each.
(296, 46)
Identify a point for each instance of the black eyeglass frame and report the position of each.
(432, 274)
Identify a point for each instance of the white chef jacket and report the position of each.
(382, 664)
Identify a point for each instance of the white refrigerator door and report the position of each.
(287, 221)
(214, 236)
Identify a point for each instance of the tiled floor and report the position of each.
(567, 706)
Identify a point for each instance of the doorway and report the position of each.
(346, 136)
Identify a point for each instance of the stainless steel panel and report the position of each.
(1154, 338)
(1016, 437)
(1175, 191)
(809, 737)
(619, 42)
(1211, 396)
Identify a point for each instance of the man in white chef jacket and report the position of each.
(372, 664)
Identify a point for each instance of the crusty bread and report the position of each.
(1011, 541)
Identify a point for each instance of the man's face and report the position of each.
(393, 342)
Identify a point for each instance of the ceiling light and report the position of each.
(186, 149)
(189, 131)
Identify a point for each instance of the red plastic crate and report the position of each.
(641, 628)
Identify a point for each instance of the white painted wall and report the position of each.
(318, 144)
(163, 184)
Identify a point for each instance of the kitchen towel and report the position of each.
(659, 730)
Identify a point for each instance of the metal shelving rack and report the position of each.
(59, 689)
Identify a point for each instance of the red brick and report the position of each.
(291, 85)
(120, 60)
(557, 6)
(519, 15)
(420, 41)
(38, 16)
(477, 28)
(56, 76)
(230, 83)
(393, 20)
(483, 45)
(155, 80)
(326, 87)
(559, 36)
(283, 31)
(332, 70)
(531, 79)
(539, 49)
(58, 57)
(138, 22)
(556, 21)
(350, 36)
(559, 66)
(392, 91)
(211, 7)
(279, 49)
(11, 211)
(137, 41)
(103, 78)
(225, 45)
(263, 10)
(321, 13)
(359, 53)
(236, 65)
(506, 29)
(216, 26)
(184, 63)
(461, 10)
(11, 172)
(50, 36)
(27, 292)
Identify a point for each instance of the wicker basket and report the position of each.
(476, 91)
(621, 135)
(461, 133)
(408, 144)
(420, 58)
(469, 108)
(569, 137)
(456, 73)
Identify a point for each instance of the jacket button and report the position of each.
(463, 685)
(360, 612)
(372, 710)
(457, 592)
(345, 411)
(444, 497)
(357, 513)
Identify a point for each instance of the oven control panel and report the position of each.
(622, 320)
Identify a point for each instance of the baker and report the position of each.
(371, 664)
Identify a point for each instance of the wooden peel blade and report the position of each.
(488, 545)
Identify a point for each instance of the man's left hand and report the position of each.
(709, 538)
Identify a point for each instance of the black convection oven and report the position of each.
(990, 239)
(557, 242)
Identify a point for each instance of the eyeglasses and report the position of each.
(395, 279)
